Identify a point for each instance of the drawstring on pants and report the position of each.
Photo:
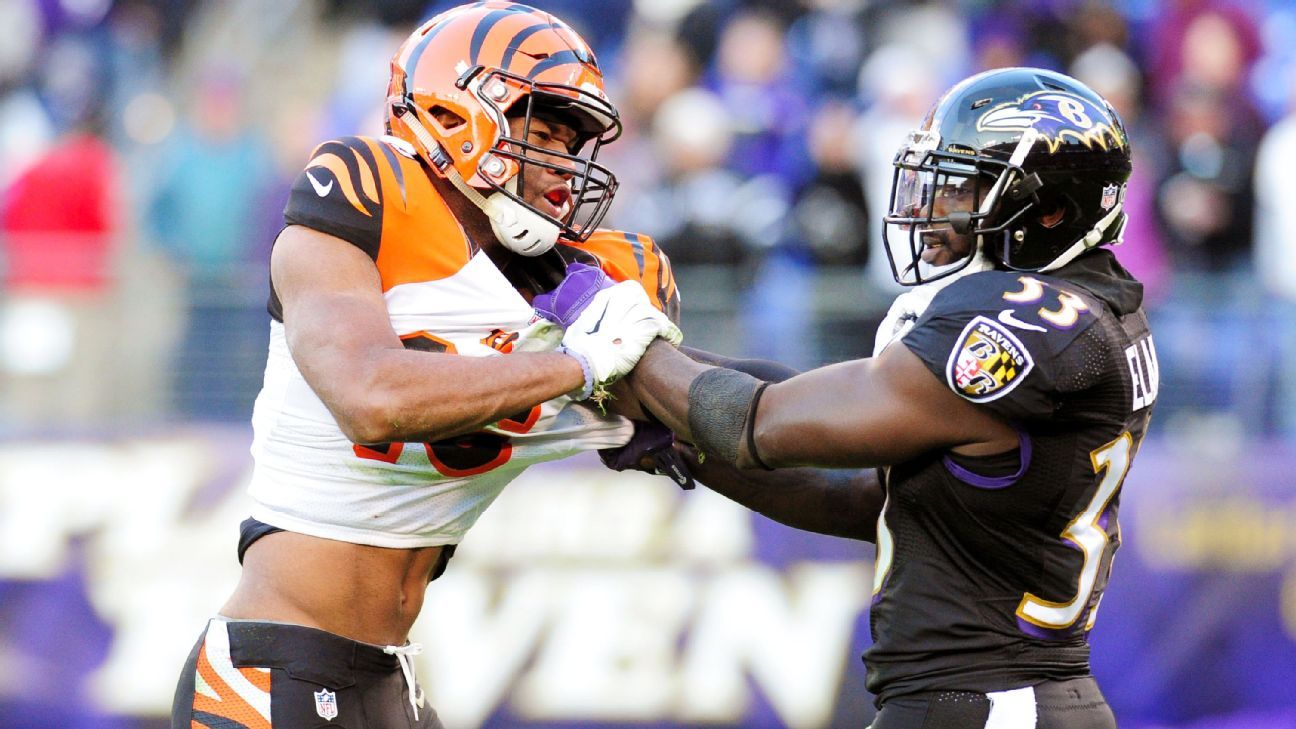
(403, 654)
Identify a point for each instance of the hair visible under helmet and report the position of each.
(1039, 161)
(488, 62)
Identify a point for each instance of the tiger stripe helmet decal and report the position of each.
(483, 61)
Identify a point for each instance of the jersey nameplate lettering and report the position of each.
(1144, 371)
(988, 361)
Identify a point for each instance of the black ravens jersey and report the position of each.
(990, 570)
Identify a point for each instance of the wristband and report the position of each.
(588, 388)
(751, 427)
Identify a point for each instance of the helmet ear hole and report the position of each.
(446, 118)
(1052, 211)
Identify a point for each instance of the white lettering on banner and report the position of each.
(594, 597)
(606, 643)
(611, 651)
(154, 572)
(792, 635)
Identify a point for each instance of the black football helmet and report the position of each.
(1026, 166)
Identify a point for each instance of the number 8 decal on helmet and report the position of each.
(1024, 169)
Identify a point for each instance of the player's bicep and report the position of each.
(869, 412)
(335, 318)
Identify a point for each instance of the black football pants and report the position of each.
(1072, 704)
(253, 675)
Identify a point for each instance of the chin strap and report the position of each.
(519, 229)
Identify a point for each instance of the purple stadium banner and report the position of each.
(586, 598)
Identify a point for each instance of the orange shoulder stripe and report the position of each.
(367, 185)
(633, 257)
(334, 164)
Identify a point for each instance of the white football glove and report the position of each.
(614, 330)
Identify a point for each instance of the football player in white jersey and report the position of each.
(408, 378)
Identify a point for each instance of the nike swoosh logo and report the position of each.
(321, 190)
(599, 323)
(1006, 316)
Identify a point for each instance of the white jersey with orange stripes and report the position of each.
(443, 295)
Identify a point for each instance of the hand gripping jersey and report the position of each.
(444, 295)
(990, 570)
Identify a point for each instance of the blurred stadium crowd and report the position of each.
(147, 148)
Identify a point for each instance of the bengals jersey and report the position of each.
(443, 294)
(990, 570)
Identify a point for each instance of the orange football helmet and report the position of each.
(487, 62)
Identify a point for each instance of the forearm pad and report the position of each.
(721, 404)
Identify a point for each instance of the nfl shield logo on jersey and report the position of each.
(326, 704)
(987, 361)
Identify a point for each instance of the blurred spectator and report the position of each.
(702, 212)
(25, 127)
(206, 213)
(1275, 256)
(212, 176)
(60, 225)
(830, 213)
(999, 45)
(827, 47)
(769, 112)
(654, 66)
(1205, 199)
(364, 53)
(1207, 42)
(938, 34)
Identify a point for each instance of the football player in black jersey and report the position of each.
(1009, 391)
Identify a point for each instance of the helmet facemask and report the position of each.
(591, 185)
(945, 207)
(519, 225)
(1024, 168)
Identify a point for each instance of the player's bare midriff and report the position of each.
(368, 594)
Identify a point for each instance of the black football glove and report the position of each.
(650, 450)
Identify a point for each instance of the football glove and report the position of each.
(572, 295)
(612, 331)
(651, 450)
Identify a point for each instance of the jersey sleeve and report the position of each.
(996, 339)
(338, 193)
(630, 257)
